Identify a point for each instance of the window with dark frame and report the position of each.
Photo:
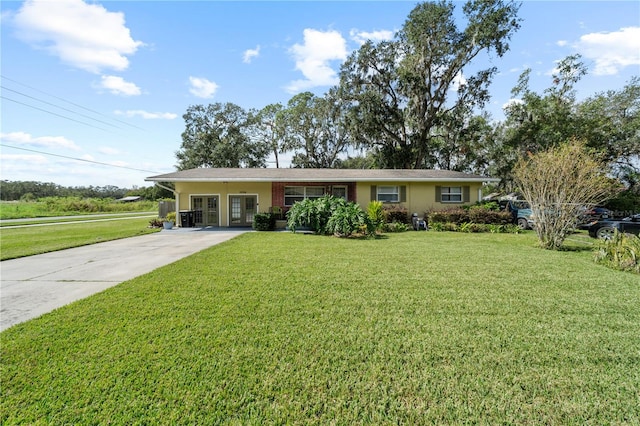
(293, 194)
(451, 194)
(388, 194)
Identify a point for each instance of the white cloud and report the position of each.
(86, 36)
(313, 57)
(147, 115)
(202, 88)
(249, 54)
(51, 142)
(561, 43)
(109, 151)
(117, 86)
(611, 51)
(13, 162)
(361, 37)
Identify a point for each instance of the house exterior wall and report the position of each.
(184, 191)
(420, 196)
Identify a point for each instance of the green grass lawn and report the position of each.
(80, 218)
(27, 241)
(280, 328)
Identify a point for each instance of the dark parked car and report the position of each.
(606, 228)
(591, 215)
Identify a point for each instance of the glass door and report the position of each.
(205, 210)
(242, 208)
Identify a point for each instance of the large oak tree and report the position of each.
(217, 135)
(400, 94)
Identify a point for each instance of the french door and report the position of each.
(241, 209)
(205, 210)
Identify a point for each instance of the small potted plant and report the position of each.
(169, 220)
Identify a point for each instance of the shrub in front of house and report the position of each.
(396, 214)
(264, 222)
(487, 216)
(472, 215)
(313, 214)
(455, 216)
(348, 219)
(330, 215)
(474, 219)
(395, 227)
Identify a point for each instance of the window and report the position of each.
(451, 194)
(294, 194)
(388, 194)
(339, 192)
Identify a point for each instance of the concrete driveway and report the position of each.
(34, 285)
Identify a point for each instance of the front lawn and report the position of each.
(277, 328)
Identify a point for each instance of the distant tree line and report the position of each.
(418, 101)
(30, 190)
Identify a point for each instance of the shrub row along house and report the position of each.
(230, 197)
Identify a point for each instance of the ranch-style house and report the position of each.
(229, 197)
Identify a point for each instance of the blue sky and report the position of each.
(107, 82)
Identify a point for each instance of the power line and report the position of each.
(71, 103)
(78, 159)
(58, 106)
(53, 113)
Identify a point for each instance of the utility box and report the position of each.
(187, 219)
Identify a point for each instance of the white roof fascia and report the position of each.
(451, 179)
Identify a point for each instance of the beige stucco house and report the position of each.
(230, 197)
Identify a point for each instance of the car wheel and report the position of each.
(605, 233)
(522, 223)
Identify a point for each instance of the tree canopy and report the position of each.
(216, 135)
(399, 92)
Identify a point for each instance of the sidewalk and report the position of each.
(34, 285)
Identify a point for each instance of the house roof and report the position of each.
(316, 175)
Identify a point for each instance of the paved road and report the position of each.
(34, 285)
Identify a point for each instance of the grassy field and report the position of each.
(27, 241)
(277, 328)
(68, 206)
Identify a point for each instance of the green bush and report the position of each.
(313, 213)
(264, 222)
(171, 217)
(456, 216)
(476, 214)
(156, 222)
(472, 227)
(376, 216)
(622, 252)
(395, 227)
(396, 214)
(348, 219)
(488, 216)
